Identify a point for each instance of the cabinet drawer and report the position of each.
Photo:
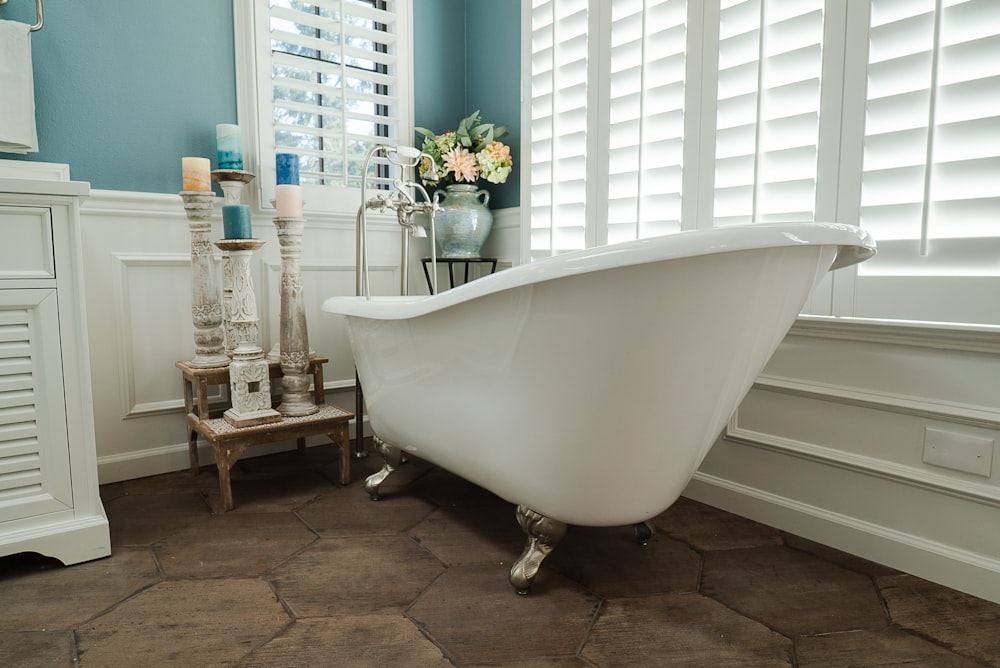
(26, 243)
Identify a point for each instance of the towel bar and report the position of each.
(38, 12)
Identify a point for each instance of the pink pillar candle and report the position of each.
(288, 201)
(196, 173)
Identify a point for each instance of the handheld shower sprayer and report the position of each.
(404, 157)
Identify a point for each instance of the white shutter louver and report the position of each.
(34, 468)
(770, 60)
(646, 133)
(932, 135)
(558, 157)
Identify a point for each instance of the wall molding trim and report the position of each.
(968, 414)
(869, 466)
(967, 338)
(119, 203)
(122, 203)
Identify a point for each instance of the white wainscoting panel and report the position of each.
(829, 445)
(137, 271)
(149, 291)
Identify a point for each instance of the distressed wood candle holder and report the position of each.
(206, 302)
(296, 400)
(232, 182)
(249, 381)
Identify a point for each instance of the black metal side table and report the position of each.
(451, 262)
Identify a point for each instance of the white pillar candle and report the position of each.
(196, 173)
(288, 201)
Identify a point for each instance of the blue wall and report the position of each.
(123, 90)
(493, 79)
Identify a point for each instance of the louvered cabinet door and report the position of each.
(34, 446)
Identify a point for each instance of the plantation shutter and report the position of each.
(646, 125)
(630, 171)
(932, 137)
(931, 171)
(558, 126)
(770, 60)
(338, 81)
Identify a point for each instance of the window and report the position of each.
(884, 113)
(332, 78)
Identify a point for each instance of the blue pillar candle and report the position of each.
(236, 221)
(230, 149)
(288, 168)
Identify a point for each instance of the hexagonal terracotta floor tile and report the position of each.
(242, 543)
(684, 629)
(833, 555)
(185, 623)
(792, 591)
(142, 519)
(33, 596)
(967, 624)
(356, 575)
(363, 640)
(350, 511)
(480, 533)
(28, 649)
(889, 647)
(708, 528)
(610, 562)
(176, 482)
(274, 493)
(449, 490)
(474, 613)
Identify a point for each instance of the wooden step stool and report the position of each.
(229, 442)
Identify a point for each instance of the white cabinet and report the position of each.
(49, 501)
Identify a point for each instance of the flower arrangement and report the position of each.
(465, 155)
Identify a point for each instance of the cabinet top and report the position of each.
(39, 178)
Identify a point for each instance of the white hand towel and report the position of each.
(17, 90)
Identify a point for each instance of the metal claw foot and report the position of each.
(398, 471)
(643, 532)
(543, 534)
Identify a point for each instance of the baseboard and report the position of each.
(966, 571)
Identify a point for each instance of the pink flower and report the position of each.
(462, 164)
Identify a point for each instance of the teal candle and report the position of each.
(236, 221)
(230, 150)
(288, 168)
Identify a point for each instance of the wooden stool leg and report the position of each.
(342, 438)
(193, 451)
(301, 445)
(225, 457)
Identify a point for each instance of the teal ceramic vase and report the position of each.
(463, 222)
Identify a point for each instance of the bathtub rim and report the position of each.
(855, 245)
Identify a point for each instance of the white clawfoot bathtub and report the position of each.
(587, 388)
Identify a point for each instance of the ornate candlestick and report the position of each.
(206, 305)
(232, 182)
(294, 342)
(249, 381)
